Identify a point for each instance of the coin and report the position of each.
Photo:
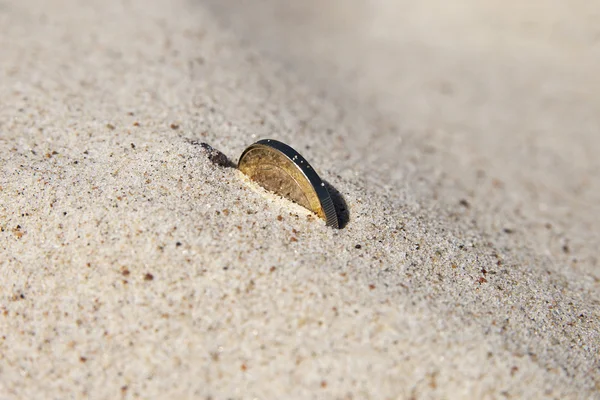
(282, 170)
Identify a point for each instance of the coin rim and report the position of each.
(331, 217)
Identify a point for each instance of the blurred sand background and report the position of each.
(463, 136)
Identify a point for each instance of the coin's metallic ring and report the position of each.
(279, 168)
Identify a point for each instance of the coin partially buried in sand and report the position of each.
(282, 170)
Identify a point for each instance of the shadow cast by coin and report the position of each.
(341, 208)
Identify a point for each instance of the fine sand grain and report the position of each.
(137, 263)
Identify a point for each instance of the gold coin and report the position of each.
(282, 170)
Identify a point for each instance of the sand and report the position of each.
(463, 140)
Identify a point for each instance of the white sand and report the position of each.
(463, 138)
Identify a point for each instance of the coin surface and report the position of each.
(282, 170)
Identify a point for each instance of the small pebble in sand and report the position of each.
(215, 156)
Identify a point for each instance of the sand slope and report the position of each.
(463, 139)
